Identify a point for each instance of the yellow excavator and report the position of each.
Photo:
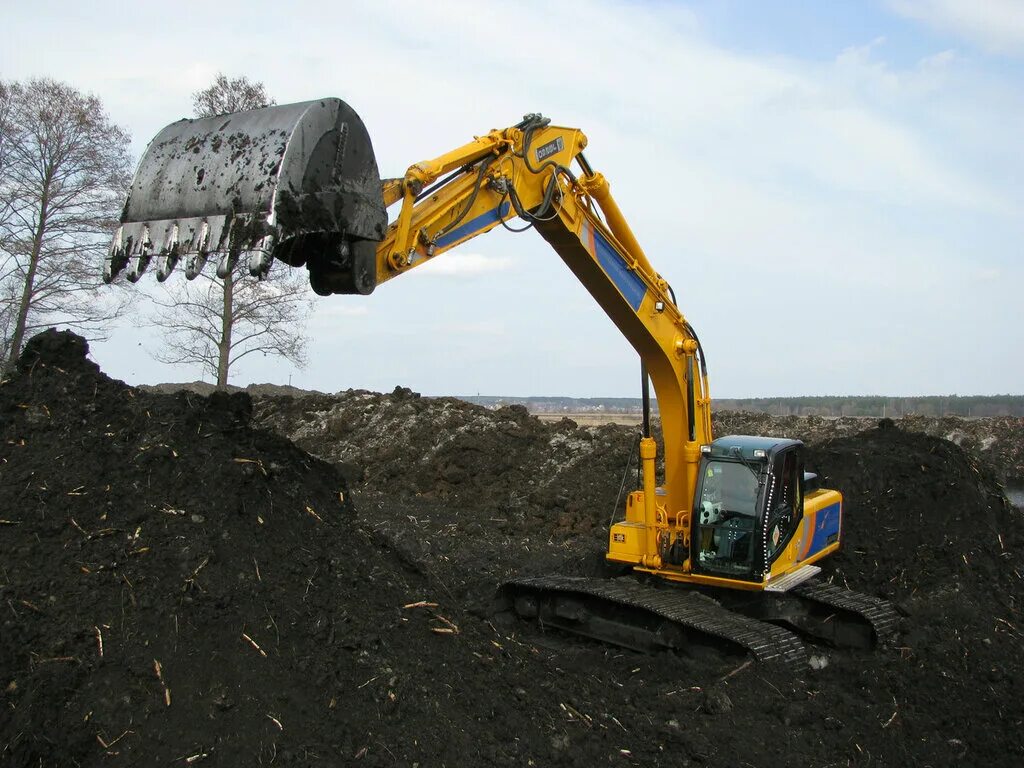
(735, 523)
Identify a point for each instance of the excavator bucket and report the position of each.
(296, 182)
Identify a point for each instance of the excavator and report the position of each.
(721, 550)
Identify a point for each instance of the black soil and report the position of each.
(180, 587)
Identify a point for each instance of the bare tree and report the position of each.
(230, 95)
(64, 172)
(215, 323)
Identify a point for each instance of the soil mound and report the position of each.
(180, 587)
(550, 475)
(926, 526)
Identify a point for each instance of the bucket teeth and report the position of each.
(140, 260)
(169, 258)
(116, 257)
(259, 260)
(226, 264)
(194, 264)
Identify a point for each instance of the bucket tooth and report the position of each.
(140, 259)
(169, 258)
(227, 262)
(194, 264)
(117, 257)
(137, 265)
(259, 260)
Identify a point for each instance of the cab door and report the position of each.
(783, 502)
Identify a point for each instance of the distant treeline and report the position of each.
(972, 406)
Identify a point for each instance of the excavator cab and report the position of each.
(748, 507)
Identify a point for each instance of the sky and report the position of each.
(834, 190)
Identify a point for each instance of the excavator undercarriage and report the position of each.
(647, 615)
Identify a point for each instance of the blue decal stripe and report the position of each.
(484, 220)
(826, 523)
(630, 286)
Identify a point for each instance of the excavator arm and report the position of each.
(525, 173)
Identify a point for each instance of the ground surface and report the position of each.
(181, 587)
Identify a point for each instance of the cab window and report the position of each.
(784, 503)
(728, 516)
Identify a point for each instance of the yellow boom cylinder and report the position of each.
(648, 452)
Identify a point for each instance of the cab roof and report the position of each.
(745, 445)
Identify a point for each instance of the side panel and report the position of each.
(818, 534)
(821, 526)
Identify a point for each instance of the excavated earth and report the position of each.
(181, 584)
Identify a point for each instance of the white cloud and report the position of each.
(996, 25)
(334, 307)
(458, 264)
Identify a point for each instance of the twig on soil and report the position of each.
(158, 668)
(258, 578)
(274, 625)
(738, 669)
(1004, 621)
(108, 745)
(191, 580)
(889, 721)
(276, 722)
(99, 640)
(194, 758)
(312, 511)
(10, 522)
(309, 583)
(254, 644)
(420, 604)
(257, 462)
(773, 686)
(72, 659)
(450, 628)
(576, 714)
(31, 607)
(449, 622)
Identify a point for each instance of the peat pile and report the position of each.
(501, 461)
(179, 588)
(249, 614)
(926, 526)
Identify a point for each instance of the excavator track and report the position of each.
(624, 612)
(826, 612)
(880, 614)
